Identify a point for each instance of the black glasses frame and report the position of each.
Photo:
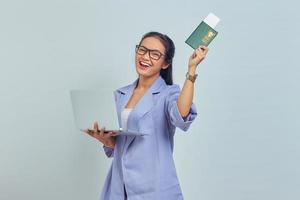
(148, 51)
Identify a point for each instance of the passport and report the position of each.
(204, 33)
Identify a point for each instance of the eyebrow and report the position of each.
(150, 49)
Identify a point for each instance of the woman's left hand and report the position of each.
(197, 56)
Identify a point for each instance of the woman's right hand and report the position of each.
(108, 139)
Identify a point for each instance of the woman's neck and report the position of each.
(146, 82)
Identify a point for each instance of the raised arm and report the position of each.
(186, 95)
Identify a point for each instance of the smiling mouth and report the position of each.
(144, 64)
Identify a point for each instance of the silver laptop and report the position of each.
(91, 106)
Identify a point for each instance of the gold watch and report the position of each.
(191, 77)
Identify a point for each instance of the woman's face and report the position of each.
(148, 65)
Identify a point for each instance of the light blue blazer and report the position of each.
(144, 164)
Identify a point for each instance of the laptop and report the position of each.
(91, 106)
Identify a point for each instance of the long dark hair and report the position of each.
(166, 74)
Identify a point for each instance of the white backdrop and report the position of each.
(244, 143)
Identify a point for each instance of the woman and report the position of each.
(143, 166)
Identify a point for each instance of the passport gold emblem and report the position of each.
(208, 36)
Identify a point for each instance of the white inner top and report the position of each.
(124, 117)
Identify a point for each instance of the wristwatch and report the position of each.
(191, 77)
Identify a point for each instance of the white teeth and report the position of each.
(143, 63)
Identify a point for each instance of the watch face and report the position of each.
(190, 77)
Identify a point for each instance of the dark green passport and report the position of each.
(202, 35)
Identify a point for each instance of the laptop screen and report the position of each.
(94, 105)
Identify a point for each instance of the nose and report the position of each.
(146, 55)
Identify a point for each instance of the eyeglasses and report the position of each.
(154, 54)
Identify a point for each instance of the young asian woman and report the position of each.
(143, 167)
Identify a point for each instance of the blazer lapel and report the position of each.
(144, 105)
(122, 96)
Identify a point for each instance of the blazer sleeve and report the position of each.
(109, 152)
(173, 113)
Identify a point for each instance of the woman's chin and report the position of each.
(143, 72)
